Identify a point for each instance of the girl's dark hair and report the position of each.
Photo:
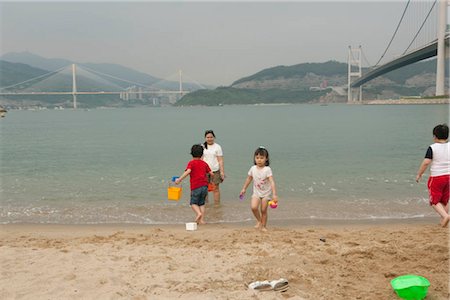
(263, 152)
(441, 131)
(197, 150)
(205, 144)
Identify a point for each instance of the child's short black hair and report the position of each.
(441, 131)
(263, 152)
(197, 150)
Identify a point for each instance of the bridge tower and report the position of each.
(354, 60)
(181, 82)
(441, 48)
(74, 86)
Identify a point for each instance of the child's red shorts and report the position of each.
(438, 189)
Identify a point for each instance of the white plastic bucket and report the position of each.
(191, 226)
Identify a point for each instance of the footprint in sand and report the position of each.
(70, 277)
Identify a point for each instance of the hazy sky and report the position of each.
(212, 42)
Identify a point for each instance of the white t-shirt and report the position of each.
(261, 183)
(439, 154)
(210, 156)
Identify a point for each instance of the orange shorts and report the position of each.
(438, 189)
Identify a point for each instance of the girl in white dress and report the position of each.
(264, 189)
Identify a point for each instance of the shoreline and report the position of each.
(400, 101)
(273, 225)
(405, 102)
(283, 223)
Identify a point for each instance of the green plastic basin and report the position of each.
(410, 287)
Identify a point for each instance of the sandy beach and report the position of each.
(344, 261)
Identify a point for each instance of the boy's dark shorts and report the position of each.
(198, 195)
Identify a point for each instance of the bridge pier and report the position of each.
(441, 48)
(74, 86)
(180, 82)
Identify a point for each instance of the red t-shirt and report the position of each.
(199, 169)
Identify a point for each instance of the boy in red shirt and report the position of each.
(198, 170)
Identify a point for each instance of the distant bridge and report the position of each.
(94, 93)
(123, 92)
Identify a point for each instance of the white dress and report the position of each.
(261, 184)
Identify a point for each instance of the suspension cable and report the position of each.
(195, 81)
(46, 74)
(365, 58)
(114, 77)
(99, 79)
(395, 32)
(423, 23)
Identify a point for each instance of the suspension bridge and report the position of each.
(59, 79)
(428, 28)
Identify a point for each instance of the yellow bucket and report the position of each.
(174, 193)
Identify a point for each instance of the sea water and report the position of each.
(335, 162)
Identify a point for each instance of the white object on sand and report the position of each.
(191, 226)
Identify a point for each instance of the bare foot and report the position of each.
(258, 225)
(201, 222)
(445, 221)
(263, 229)
(199, 217)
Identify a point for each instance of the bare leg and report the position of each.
(255, 209)
(442, 211)
(448, 216)
(197, 210)
(264, 206)
(216, 194)
(202, 219)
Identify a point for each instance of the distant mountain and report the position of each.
(11, 73)
(49, 64)
(317, 82)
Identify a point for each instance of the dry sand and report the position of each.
(215, 262)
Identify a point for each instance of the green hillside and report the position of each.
(401, 75)
(230, 95)
(12, 73)
(326, 69)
